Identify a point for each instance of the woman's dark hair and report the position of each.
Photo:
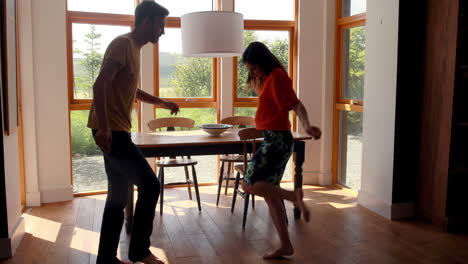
(149, 9)
(259, 55)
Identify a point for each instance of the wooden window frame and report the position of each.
(189, 102)
(79, 17)
(340, 104)
(291, 26)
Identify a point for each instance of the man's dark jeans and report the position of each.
(125, 165)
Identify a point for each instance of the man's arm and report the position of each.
(148, 98)
(101, 88)
(304, 118)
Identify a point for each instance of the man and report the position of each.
(115, 90)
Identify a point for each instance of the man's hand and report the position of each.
(103, 139)
(171, 106)
(315, 132)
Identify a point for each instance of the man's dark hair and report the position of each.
(149, 9)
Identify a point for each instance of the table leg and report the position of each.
(129, 210)
(298, 157)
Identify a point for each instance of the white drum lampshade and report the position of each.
(212, 34)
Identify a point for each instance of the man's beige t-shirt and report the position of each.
(121, 95)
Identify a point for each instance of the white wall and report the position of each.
(13, 191)
(51, 100)
(315, 83)
(379, 108)
(33, 197)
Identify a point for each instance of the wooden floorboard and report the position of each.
(340, 231)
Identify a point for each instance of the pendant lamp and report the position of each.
(212, 34)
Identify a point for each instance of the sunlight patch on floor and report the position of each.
(214, 205)
(42, 228)
(340, 205)
(186, 204)
(161, 254)
(85, 240)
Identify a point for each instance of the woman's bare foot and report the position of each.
(301, 205)
(151, 259)
(280, 253)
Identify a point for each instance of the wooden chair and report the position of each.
(248, 136)
(237, 121)
(171, 123)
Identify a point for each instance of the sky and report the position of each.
(171, 42)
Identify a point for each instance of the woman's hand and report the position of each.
(315, 132)
(173, 107)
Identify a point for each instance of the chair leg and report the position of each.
(228, 177)
(234, 193)
(161, 198)
(253, 201)
(246, 208)
(220, 182)
(187, 177)
(195, 184)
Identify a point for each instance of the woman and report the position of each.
(276, 98)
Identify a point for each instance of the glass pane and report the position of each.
(245, 111)
(206, 168)
(87, 161)
(353, 7)
(276, 41)
(126, 7)
(179, 76)
(179, 7)
(350, 153)
(354, 53)
(266, 9)
(89, 44)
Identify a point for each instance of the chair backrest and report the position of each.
(249, 135)
(240, 121)
(171, 123)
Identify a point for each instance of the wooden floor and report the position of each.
(339, 232)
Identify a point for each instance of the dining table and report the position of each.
(198, 142)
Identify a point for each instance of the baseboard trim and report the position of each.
(33, 199)
(402, 210)
(9, 245)
(57, 195)
(18, 235)
(378, 206)
(317, 178)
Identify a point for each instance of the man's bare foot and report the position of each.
(151, 259)
(279, 253)
(301, 205)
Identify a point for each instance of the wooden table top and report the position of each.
(192, 138)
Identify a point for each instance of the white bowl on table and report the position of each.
(215, 129)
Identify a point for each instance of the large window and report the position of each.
(89, 33)
(190, 82)
(276, 28)
(282, 10)
(349, 92)
(193, 83)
